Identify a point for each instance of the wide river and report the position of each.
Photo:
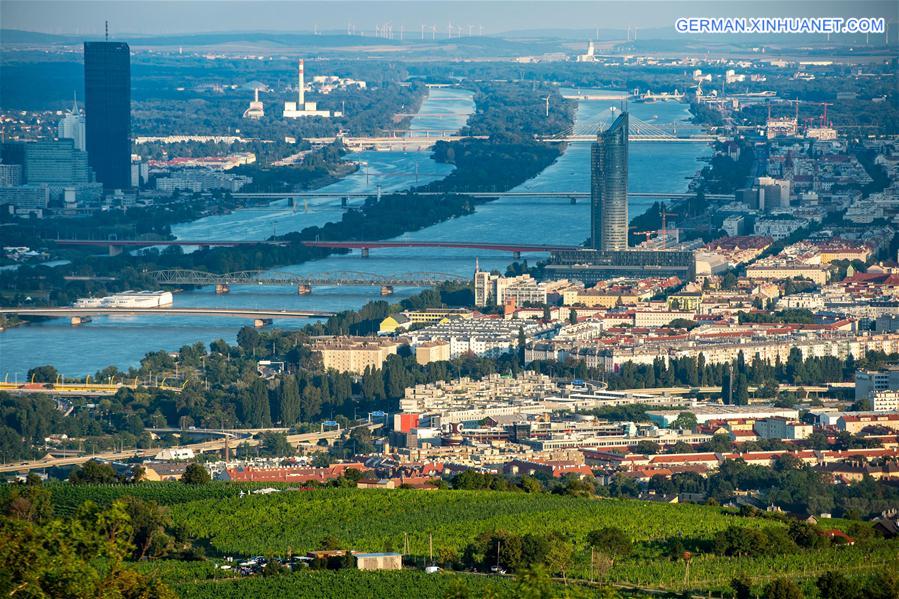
(123, 340)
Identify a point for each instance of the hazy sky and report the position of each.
(171, 16)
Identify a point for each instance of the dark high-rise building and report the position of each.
(608, 188)
(107, 106)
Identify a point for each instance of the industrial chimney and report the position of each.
(301, 99)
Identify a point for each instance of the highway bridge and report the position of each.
(566, 195)
(206, 446)
(514, 248)
(81, 315)
(303, 283)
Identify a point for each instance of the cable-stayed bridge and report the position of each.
(639, 130)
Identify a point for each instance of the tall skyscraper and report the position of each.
(72, 126)
(608, 188)
(107, 103)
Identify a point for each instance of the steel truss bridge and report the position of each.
(303, 283)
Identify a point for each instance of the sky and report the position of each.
(149, 17)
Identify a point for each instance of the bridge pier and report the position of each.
(222, 288)
(262, 322)
(344, 201)
(115, 250)
(365, 252)
(516, 255)
(386, 289)
(573, 200)
(79, 320)
(303, 289)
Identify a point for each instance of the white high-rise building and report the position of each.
(72, 126)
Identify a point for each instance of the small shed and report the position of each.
(379, 561)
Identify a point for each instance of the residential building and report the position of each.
(354, 354)
(869, 383)
(432, 351)
(782, 428)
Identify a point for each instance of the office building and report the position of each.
(56, 163)
(72, 127)
(25, 198)
(107, 87)
(608, 187)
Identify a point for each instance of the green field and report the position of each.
(225, 524)
(372, 520)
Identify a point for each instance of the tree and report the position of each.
(835, 585)
(80, 556)
(611, 540)
(195, 474)
(572, 316)
(288, 402)
(248, 339)
(685, 421)
(149, 521)
(742, 587)
(43, 374)
(647, 447)
(275, 445)
(783, 588)
(95, 473)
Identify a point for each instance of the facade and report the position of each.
(107, 87)
(608, 187)
(593, 266)
(432, 351)
(886, 401)
(10, 175)
(25, 197)
(496, 290)
(379, 561)
(782, 428)
(56, 163)
(348, 354)
(869, 383)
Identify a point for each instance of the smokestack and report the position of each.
(301, 99)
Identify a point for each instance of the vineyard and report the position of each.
(66, 497)
(378, 521)
(338, 584)
(370, 520)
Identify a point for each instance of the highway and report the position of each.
(205, 446)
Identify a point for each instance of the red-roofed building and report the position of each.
(299, 475)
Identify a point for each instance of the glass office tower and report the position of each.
(107, 105)
(608, 188)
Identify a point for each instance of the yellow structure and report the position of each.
(405, 320)
(432, 351)
(685, 301)
(777, 272)
(354, 354)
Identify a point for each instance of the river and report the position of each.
(123, 340)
